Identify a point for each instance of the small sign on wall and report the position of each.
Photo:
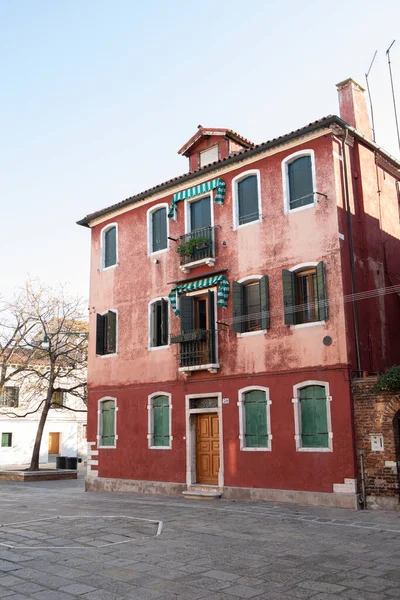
(225, 400)
(376, 443)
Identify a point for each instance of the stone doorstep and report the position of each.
(41, 475)
(202, 494)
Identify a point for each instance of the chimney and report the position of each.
(353, 106)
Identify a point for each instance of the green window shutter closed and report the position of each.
(161, 433)
(289, 296)
(321, 292)
(264, 302)
(6, 440)
(111, 332)
(108, 423)
(300, 182)
(247, 190)
(314, 421)
(256, 431)
(110, 249)
(159, 229)
(237, 300)
(186, 313)
(100, 334)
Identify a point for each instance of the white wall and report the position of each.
(23, 438)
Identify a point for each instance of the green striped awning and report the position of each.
(215, 184)
(219, 280)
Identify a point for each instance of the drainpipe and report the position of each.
(363, 491)
(351, 248)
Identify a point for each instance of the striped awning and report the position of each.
(219, 280)
(215, 184)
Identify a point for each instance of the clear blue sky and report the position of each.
(97, 96)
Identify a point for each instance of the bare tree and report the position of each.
(54, 342)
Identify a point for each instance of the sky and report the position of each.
(97, 96)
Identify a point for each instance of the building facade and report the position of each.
(227, 314)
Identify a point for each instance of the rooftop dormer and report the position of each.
(210, 144)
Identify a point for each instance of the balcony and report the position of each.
(197, 351)
(197, 248)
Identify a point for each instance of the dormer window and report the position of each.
(209, 156)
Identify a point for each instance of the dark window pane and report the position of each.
(159, 323)
(306, 297)
(300, 182)
(200, 214)
(248, 200)
(110, 249)
(159, 229)
(251, 307)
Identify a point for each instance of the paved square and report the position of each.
(112, 547)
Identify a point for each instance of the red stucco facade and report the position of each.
(278, 359)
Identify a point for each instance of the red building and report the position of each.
(227, 314)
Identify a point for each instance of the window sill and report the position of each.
(314, 449)
(108, 355)
(160, 447)
(255, 449)
(237, 226)
(158, 252)
(109, 268)
(303, 325)
(289, 211)
(106, 447)
(212, 368)
(249, 333)
(209, 262)
(155, 348)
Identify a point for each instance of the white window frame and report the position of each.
(150, 421)
(242, 418)
(248, 280)
(297, 269)
(100, 423)
(116, 333)
(297, 415)
(149, 346)
(188, 201)
(103, 246)
(235, 198)
(150, 212)
(285, 180)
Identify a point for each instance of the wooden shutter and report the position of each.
(100, 322)
(159, 229)
(264, 302)
(164, 322)
(256, 431)
(211, 325)
(247, 191)
(110, 249)
(314, 421)
(300, 182)
(321, 292)
(111, 332)
(237, 300)
(161, 433)
(153, 324)
(186, 313)
(289, 296)
(108, 423)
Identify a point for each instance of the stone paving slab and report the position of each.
(224, 551)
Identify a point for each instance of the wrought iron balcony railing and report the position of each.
(197, 245)
(196, 348)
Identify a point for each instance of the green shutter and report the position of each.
(314, 421)
(300, 182)
(6, 440)
(289, 296)
(161, 433)
(159, 229)
(264, 302)
(110, 247)
(237, 300)
(321, 292)
(111, 332)
(211, 324)
(247, 191)
(255, 409)
(186, 313)
(108, 423)
(100, 334)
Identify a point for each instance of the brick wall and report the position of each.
(377, 414)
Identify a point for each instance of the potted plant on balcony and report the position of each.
(192, 245)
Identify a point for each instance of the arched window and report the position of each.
(254, 419)
(159, 430)
(157, 228)
(298, 180)
(305, 294)
(107, 424)
(109, 246)
(246, 198)
(313, 429)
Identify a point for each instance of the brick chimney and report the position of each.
(353, 106)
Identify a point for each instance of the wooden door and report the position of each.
(207, 449)
(54, 443)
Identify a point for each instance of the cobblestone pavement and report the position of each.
(128, 546)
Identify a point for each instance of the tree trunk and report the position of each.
(34, 466)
